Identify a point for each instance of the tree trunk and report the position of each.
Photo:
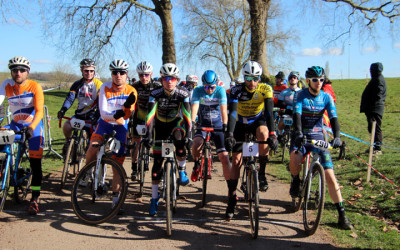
(258, 48)
(163, 10)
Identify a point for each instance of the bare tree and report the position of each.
(217, 30)
(92, 28)
(62, 74)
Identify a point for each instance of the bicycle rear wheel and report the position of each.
(95, 205)
(69, 161)
(253, 200)
(4, 182)
(81, 151)
(205, 167)
(314, 199)
(24, 178)
(168, 196)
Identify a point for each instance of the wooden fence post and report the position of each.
(371, 150)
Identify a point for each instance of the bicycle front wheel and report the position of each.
(142, 161)
(285, 141)
(81, 151)
(314, 199)
(253, 200)
(69, 161)
(24, 179)
(4, 182)
(168, 196)
(205, 167)
(96, 200)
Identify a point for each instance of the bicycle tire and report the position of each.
(285, 142)
(81, 152)
(98, 208)
(24, 172)
(69, 160)
(253, 201)
(141, 166)
(4, 182)
(168, 197)
(298, 201)
(314, 199)
(205, 166)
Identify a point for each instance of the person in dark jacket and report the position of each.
(373, 103)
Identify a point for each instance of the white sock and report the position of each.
(154, 191)
(182, 165)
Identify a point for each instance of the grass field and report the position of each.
(373, 208)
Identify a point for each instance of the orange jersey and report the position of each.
(277, 91)
(112, 99)
(25, 100)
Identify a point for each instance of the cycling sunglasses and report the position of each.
(252, 78)
(209, 87)
(317, 79)
(20, 70)
(169, 78)
(119, 72)
(144, 75)
(88, 70)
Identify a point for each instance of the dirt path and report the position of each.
(57, 227)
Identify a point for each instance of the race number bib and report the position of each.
(321, 144)
(77, 124)
(288, 121)
(115, 145)
(141, 129)
(167, 150)
(6, 137)
(250, 149)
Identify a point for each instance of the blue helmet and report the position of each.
(209, 78)
(315, 71)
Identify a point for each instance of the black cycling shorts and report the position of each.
(241, 130)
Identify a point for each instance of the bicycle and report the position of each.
(249, 184)
(13, 170)
(312, 187)
(169, 181)
(96, 202)
(143, 158)
(77, 146)
(285, 141)
(206, 161)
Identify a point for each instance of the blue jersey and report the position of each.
(287, 96)
(311, 108)
(209, 114)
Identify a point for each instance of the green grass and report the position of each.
(374, 207)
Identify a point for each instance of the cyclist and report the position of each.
(191, 84)
(86, 91)
(279, 85)
(169, 114)
(143, 87)
(112, 96)
(25, 99)
(247, 102)
(310, 105)
(210, 104)
(285, 99)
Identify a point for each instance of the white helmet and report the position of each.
(252, 68)
(192, 78)
(119, 64)
(19, 61)
(144, 68)
(169, 69)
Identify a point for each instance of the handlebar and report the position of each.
(69, 118)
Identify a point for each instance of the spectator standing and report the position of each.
(373, 103)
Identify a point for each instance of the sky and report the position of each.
(349, 59)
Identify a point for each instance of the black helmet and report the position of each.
(315, 71)
(280, 75)
(87, 63)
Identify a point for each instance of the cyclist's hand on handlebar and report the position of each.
(336, 142)
(28, 132)
(147, 142)
(229, 141)
(272, 142)
(118, 114)
(61, 113)
(298, 138)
